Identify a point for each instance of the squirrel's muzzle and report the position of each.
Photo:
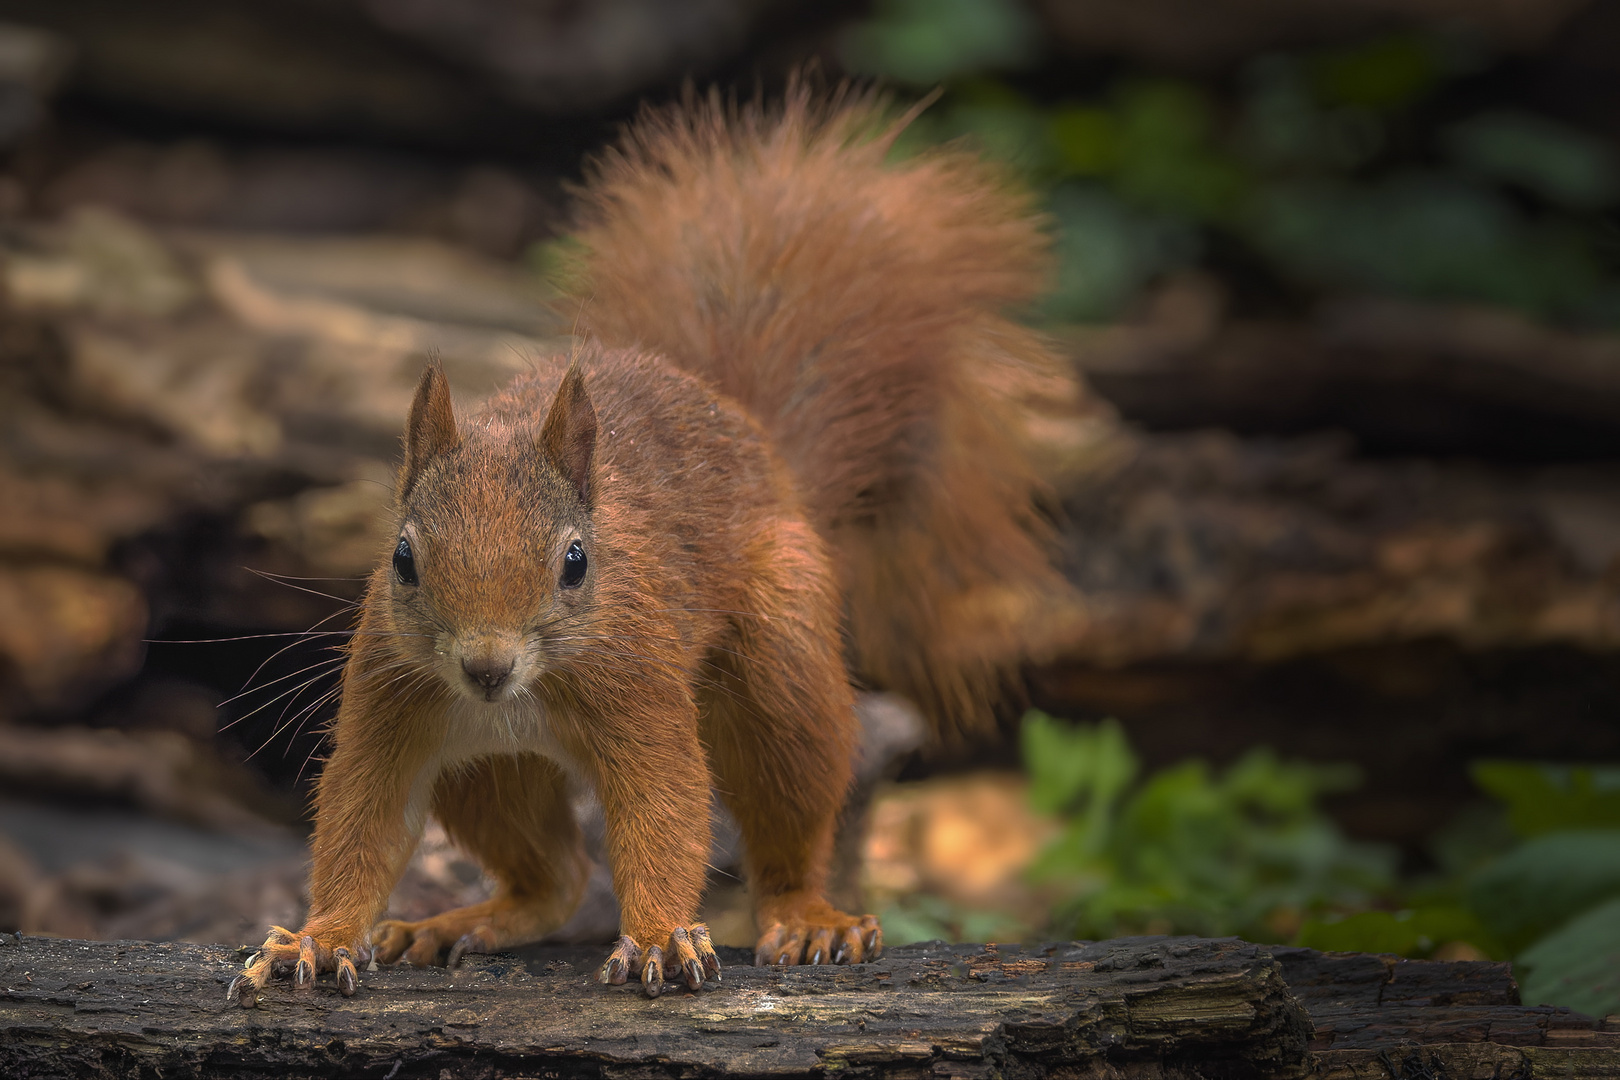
(488, 670)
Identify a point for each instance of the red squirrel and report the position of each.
(784, 456)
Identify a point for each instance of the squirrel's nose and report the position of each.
(490, 672)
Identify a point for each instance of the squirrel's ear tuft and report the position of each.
(569, 438)
(431, 428)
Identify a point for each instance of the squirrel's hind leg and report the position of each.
(780, 724)
(512, 814)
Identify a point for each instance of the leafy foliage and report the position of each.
(1543, 798)
(1541, 157)
(1546, 881)
(1188, 849)
(1324, 166)
(1577, 965)
(1551, 900)
(1341, 168)
(1407, 932)
(924, 917)
(920, 42)
(1247, 851)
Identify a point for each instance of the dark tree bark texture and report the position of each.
(1148, 1007)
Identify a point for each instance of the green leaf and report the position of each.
(923, 42)
(1086, 139)
(1075, 766)
(1425, 234)
(1542, 798)
(913, 922)
(1003, 124)
(923, 917)
(1283, 127)
(1388, 73)
(1414, 933)
(1578, 965)
(1546, 881)
(1563, 165)
(1168, 161)
(1107, 251)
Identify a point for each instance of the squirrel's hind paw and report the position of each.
(828, 937)
(443, 939)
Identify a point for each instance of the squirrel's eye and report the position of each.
(573, 572)
(405, 562)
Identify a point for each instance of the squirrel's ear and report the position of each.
(430, 429)
(569, 438)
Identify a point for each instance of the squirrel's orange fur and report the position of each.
(635, 569)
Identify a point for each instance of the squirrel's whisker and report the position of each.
(290, 693)
(303, 716)
(306, 669)
(273, 576)
(284, 648)
(282, 722)
(280, 580)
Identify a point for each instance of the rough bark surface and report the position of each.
(134, 1009)
(1160, 1007)
(1383, 1017)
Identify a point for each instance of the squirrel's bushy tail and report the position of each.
(856, 308)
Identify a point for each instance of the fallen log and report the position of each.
(1148, 1007)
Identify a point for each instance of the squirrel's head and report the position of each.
(493, 563)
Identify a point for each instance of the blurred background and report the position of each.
(1342, 491)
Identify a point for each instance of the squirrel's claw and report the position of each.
(705, 951)
(819, 948)
(480, 940)
(690, 952)
(652, 971)
(849, 945)
(304, 973)
(242, 992)
(621, 961)
(389, 940)
(872, 946)
(348, 979)
(781, 946)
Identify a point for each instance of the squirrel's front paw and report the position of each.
(688, 956)
(303, 956)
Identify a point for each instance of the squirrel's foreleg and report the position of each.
(652, 778)
(368, 818)
(780, 725)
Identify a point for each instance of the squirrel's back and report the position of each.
(857, 308)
